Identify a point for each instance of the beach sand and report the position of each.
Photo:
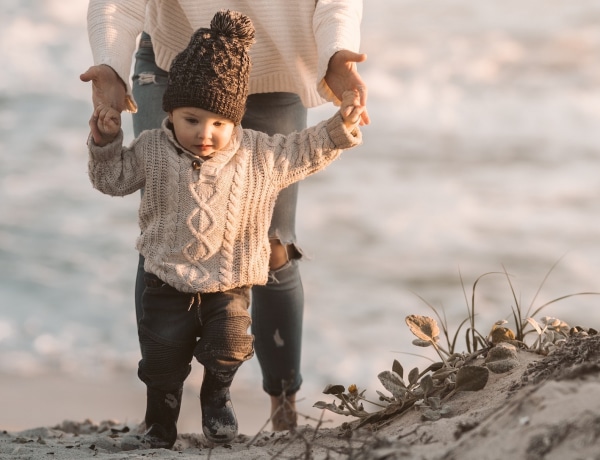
(50, 399)
(547, 407)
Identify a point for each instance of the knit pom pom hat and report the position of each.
(212, 72)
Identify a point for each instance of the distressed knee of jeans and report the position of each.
(146, 78)
(293, 250)
(272, 276)
(277, 339)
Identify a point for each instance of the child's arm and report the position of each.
(114, 169)
(351, 110)
(105, 124)
(291, 158)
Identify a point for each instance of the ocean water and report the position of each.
(482, 157)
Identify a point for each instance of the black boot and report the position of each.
(162, 412)
(219, 423)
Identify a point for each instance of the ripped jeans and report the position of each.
(278, 307)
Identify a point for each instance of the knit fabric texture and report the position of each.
(213, 71)
(206, 229)
(294, 39)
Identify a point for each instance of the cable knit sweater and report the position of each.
(204, 224)
(294, 39)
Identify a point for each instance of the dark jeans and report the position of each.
(277, 308)
(175, 326)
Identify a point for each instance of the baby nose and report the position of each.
(203, 130)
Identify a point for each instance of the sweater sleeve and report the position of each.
(336, 26)
(114, 169)
(300, 154)
(113, 28)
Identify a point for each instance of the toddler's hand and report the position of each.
(105, 124)
(351, 109)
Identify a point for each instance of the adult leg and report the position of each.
(277, 307)
(149, 84)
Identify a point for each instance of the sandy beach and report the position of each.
(545, 407)
(52, 399)
(482, 154)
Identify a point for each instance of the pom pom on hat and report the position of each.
(234, 25)
(212, 72)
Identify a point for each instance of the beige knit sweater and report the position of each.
(294, 38)
(205, 229)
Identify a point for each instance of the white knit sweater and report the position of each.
(294, 38)
(205, 229)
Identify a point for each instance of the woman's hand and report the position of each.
(342, 75)
(107, 88)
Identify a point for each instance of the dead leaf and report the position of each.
(424, 327)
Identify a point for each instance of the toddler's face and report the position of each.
(200, 131)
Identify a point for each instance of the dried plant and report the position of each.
(429, 389)
(473, 339)
(521, 317)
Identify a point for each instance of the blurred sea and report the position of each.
(483, 155)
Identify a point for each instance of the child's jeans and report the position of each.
(277, 308)
(176, 326)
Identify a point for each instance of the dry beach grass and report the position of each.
(507, 396)
(547, 406)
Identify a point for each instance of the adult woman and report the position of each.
(305, 54)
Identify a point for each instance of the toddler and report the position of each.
(209, 188)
